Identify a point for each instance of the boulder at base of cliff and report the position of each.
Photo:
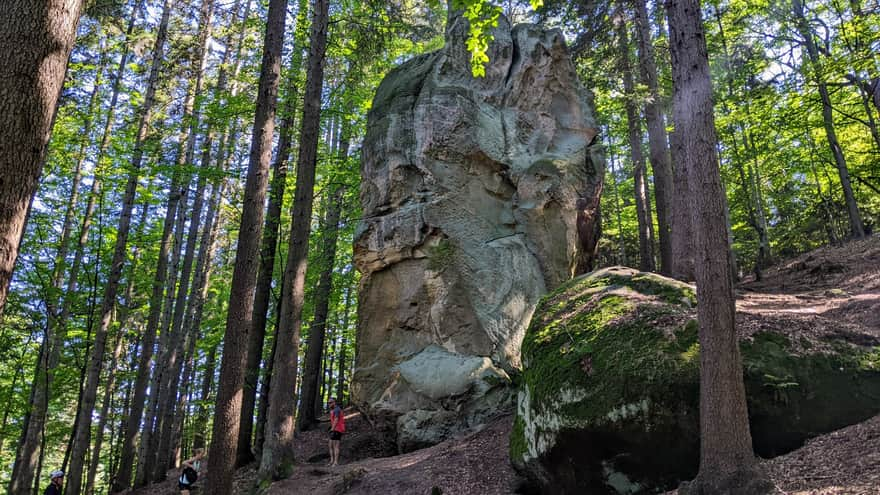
(609, 394)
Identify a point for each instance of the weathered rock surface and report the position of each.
(478, 196)
(610, 385)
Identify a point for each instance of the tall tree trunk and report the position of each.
(199, 440)
(856, 227)
(122, 479)
(34, 48)
(265, 386)
(657, 138)
(165, 412)
(227, 412)
(634, 127)
(277, 459)
(315, 344)
(262, 293)
(81, 436)
(109, 389)
(34, 424)
(727, 463)
(340, 379)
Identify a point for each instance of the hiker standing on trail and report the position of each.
(56, 478)
(190, 472)
(337, 428)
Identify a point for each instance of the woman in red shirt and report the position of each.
(337, 428)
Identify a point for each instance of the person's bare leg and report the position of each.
(330, 450)
(335, 452)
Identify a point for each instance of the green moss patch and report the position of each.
(611, 377)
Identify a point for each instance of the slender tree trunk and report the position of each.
(199, 440)
(727, 463)
(262, 294)
(277, 459)
(634, 126)
(657, 138)
(109, 389)
(340, 380)
(73, 484)
(122, 479)
(857, 228)
(263, 410)
(35, 44)
(315, 344)
(165, 412)
(227, 412)
(174, 446)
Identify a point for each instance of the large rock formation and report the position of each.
(478, 196)
(609, 399)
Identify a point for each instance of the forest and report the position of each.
(218, 215)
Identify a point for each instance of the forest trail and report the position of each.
(811, 295)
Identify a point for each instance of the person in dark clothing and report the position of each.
(57, 479)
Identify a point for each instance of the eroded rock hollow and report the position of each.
(479, 195)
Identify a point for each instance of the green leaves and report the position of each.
(482, 16)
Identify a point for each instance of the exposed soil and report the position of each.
(821, 295)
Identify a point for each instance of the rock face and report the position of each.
(609, 401)
(478, 196)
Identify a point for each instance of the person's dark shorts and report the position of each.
(183, 486)
(335, 435)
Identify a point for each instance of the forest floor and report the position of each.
(812, 296)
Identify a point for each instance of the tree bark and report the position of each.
(122, 479)
(634, 128)
(29, 448)
(109, 389)
(81, 436)
(657, 139)
(727, 463)
(856, 227)
(277, 459)
(228, 407)
(262, 293)
(34, 48)
(168, 388)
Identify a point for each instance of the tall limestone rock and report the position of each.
(479, 196)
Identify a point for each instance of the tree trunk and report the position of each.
(262, 294)
(34, 424)
(228, 407)
(857, 228)
(263, 410)
(727, 463)
(168, 388)
(634, 126)
(34, 48)
(81, 436)
(340, 379)
(109, 388)
(315, 344)
(657, 138)
(122, 479)
(277, 459)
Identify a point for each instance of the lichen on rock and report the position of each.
(609, 393)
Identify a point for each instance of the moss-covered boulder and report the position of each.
(609, 393)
